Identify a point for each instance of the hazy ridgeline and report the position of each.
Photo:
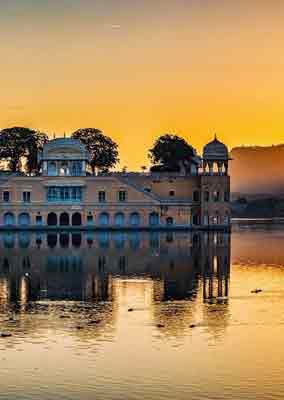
(258, 170)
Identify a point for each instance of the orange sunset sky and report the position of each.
(137, 69)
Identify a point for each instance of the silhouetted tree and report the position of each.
(103, 150)
(19, 143)
(35, 144)
(169, 153)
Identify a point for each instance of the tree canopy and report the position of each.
(18, 144)
(103, 150)
(169, 153)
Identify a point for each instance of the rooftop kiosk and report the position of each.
(64, 157)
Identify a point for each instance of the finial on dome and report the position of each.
(64, 135)
(54, 137)
(215, 137)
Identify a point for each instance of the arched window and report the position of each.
(134, 219)
(104, 218)
(64, 219)
(76, 219)
(170, 221)
(119, 219)
(9, 218)
(154, 219)
(24, 219)
(52, 219)
(196, 195)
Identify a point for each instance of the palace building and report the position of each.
(66, 195)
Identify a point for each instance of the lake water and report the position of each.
(142, 315)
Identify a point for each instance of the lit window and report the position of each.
(64, 194)
(102, 196)
(26, 197)
(122, 195)
(6, 196)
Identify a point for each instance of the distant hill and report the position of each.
(256, 170)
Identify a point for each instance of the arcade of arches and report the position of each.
(101, 219)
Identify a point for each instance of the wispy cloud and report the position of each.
(115, 26)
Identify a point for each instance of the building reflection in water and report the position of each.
(81, 265)
(182, 267)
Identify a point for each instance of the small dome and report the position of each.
(215, 150)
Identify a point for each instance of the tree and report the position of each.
(19, 143)
(103, 150)
(170, 153)
(36, 142)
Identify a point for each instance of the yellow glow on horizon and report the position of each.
(140, 70)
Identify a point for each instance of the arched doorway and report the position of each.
(76, 219)
(104, 219)
(64, 219)
(9, 219)
(119, 219)
(154, 219)
(52, 219)
(24, 219)
(134, 219)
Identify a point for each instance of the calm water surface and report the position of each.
(142, 315)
